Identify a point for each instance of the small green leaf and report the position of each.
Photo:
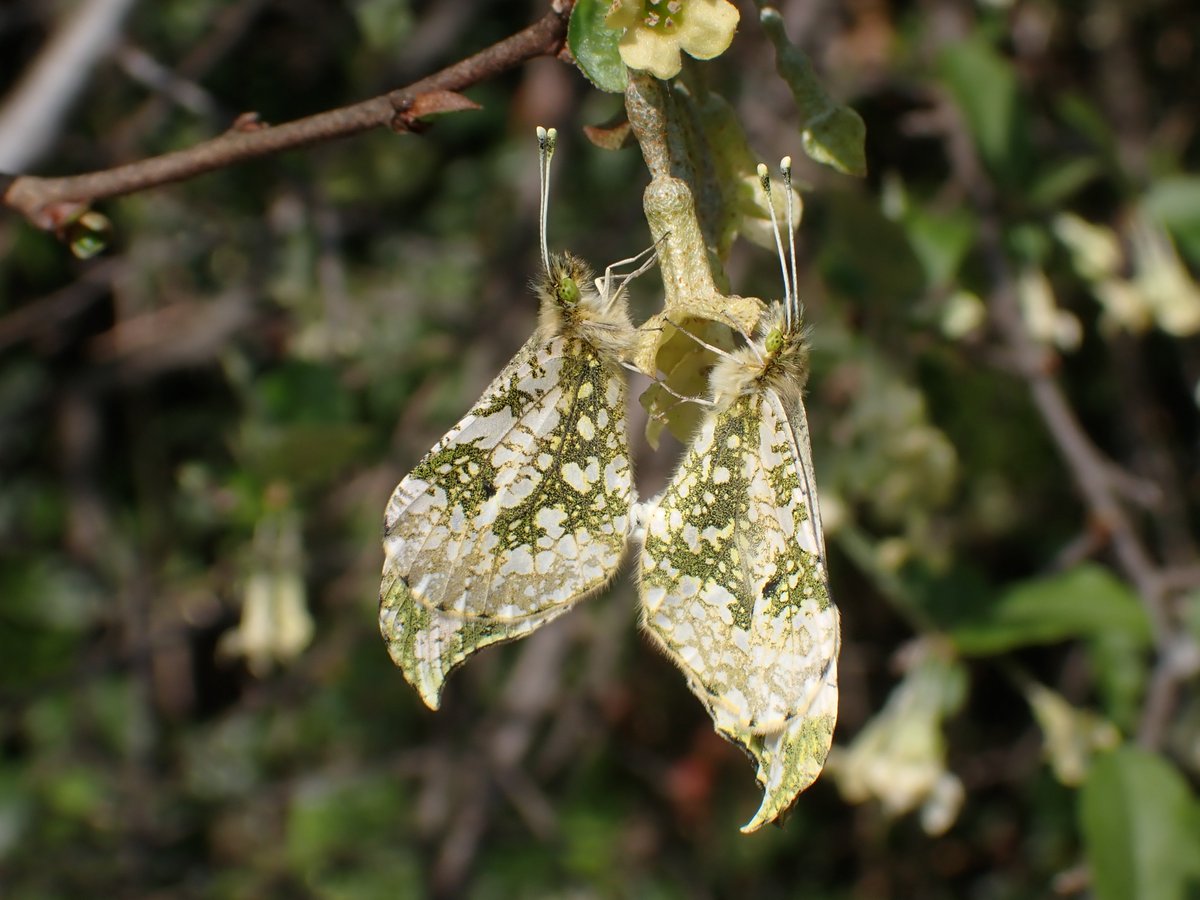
(1140, 828)
(1060, 181)
(831, 134)
(89, 235)
(730, 193)
(1175, 203)
(1121, 666)
(594, 46)
(837, 138)
(985, 88)
(940, 241)
(1085, 601)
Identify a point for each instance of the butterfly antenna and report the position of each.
(785, 166)
(547, 139)
(764, 178)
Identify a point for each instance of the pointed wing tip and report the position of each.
(771, 812)
(428, 683)
(788, 768)
(428, 688)
(754, 824)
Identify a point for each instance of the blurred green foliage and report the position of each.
(227, 395)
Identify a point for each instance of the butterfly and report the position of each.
(732, 577)
(524, 507)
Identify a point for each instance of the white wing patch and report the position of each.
(734, 587)
(520, 511)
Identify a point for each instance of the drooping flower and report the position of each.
(276, 625)
(1072, 735)
(899, 757)
(657, 30)
(1161, 292)
(1047, 322)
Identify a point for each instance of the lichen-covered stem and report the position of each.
(682, 256)
(685, 260)
(645, 101)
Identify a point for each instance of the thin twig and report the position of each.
(33, 113)
(44, 315)
(226, 29)
(49, 202)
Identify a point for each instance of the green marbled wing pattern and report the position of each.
(519, 512)
(733, 587)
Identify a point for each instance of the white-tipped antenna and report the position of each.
(764, 178)
(785, 166)
(547, 138)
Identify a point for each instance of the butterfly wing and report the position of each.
(428, 644)
(520, 511)
(734, 589)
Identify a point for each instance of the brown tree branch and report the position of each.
(49, 203)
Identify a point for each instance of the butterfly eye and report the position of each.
(568, 291)
(774, 340)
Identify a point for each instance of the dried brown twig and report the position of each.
(49, 203)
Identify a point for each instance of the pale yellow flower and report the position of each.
(1161, 292)
(1166, 285)
(963, 314)
(1095, 249)
(1047, 323)
(1072, 735)
(899, 757)
(276, 625)
(657, 30)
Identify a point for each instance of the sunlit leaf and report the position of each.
(1175, 203)
(985, 87)
(1141, 828)
(1085, 601)
(594, 46)
(831, 133)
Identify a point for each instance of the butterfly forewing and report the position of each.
(428, 644)
(521, 510)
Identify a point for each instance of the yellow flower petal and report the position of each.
(654, 33)
(641, 48)
(708, 29)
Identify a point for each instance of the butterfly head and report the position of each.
(774, 340)
(567, 282)
(784, 343)
(572, 303)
